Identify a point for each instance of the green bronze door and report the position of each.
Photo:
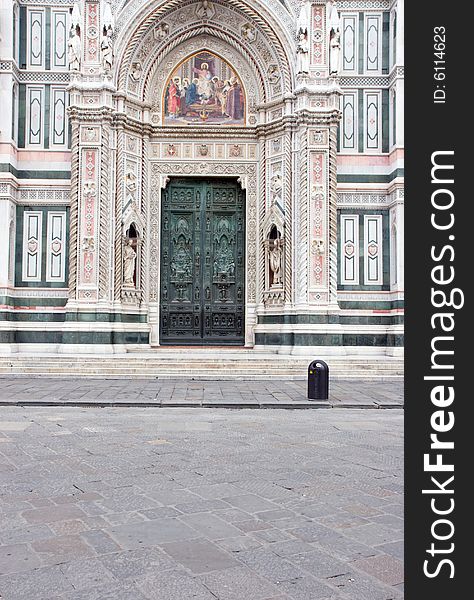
(202, 263)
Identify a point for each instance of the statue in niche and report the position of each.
(302, 54)
(129, 257)
(334, 39)
(107, 50)
(275, 258)
(74, 49)
(303, 39)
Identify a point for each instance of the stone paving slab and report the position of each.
(279, 394)
(139, 504)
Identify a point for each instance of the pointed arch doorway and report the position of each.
(202, 298)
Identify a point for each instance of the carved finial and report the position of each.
(76, 19)
(108, 21)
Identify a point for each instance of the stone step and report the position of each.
(205, 376)
(179, 362)
(242, 373)
(58, 358)
(178, 365)
(196, 364)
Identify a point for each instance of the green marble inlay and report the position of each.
(47, 109)
(386, 319)
(21, 126)
(309, 339)
(371, 178)
(386, 43)
(385, 121)
(361, 43)
(371, 305)
(47, 20)
(8, 168)
(394, 117)
(361, 121)
(62, 317)
(74, 337)
(95, 317)
(22, 52)
(28, 302)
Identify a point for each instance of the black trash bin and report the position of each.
(318, 380)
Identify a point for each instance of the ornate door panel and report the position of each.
(202, 263)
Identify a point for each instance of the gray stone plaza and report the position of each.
(171, 503)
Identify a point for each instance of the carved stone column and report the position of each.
(91, 109)
(317, 117)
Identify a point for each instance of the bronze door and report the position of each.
(202, 263)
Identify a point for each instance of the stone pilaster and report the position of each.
(317, 109)
(91, 221)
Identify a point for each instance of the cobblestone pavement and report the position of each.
(192, 504)
(188, 393)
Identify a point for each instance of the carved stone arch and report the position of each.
(274, 218)
(133, 216)
(249, 72)
(281, 11)
(155, 84)
(273, 233)
(145, 17)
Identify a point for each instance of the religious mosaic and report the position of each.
(204, 89)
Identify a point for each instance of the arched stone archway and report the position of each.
(160, 23)
(124, 151)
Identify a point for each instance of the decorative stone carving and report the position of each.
(131, 296)
(273, 74)
(205, 10)
(249, 33)
(236, 151)
(318, 248)
(136, 71)
(130, 186)
(161, 31)
(276, 186)
(90, 188)
(88, 244)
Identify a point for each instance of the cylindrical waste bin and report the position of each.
(318, 380)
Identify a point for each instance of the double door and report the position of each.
(202, 263)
